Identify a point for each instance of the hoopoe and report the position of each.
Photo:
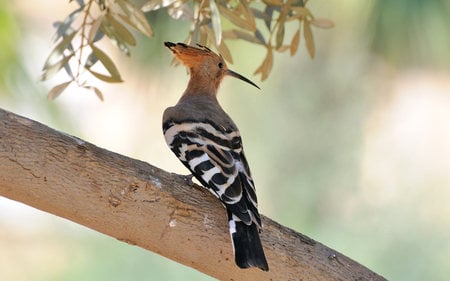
(208, 143)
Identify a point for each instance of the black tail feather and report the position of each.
(248, 251)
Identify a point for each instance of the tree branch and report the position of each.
(145, 206)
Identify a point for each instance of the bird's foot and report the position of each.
(187, 179)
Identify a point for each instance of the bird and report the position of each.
(207, 141)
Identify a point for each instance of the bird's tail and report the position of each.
(248, 251)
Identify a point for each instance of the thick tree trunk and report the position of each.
(142, 205)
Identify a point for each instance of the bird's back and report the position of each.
(195, 108)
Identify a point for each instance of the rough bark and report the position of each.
(142, 205)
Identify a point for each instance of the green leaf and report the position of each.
(215, 20)
(234, 17)
(64, 28)
(262, 15)
(57, 90)
(283, 48)
(260, 37)
(266, 65)
(106, 78)
(58, 50)
(68, 70)
(154, 5)
(135, 17)
(203, 33)
(301, 11)
(108, 29)
(295, 42)
(280, 35)
(309, 40)
(269, 12)
(239, 34)
(94, 29)
(120, 31)
(229, 34)
(322, 23)
(107, 63)
(225, 52)
(96, 91)
(50, 70)
(247, 13)
(91, 60)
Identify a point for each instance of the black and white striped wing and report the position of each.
(215, 158)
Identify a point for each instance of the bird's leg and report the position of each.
(188, 180)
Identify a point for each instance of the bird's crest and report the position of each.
(196, 58)
(190, 55)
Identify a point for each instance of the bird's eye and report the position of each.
(220, 65)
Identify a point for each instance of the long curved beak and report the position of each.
(240, 77)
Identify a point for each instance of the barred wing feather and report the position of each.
(215, 158)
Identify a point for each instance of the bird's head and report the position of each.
(204, 65)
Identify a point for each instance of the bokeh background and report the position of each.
(351, 148)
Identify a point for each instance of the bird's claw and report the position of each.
(187, 179)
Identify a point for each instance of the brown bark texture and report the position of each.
(142, 205)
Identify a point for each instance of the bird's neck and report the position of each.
(200, 85)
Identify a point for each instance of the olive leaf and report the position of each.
(94, 31)
(266, 66)
(64, 28)
(225, 52)
(135, 17)
(51, 69)
(295, 42)
(57, 90)
(309, 40)
(120, 31)
(280, 36)
(238, 17)
(322, 23)
(97, 92)
(58, 50)
(266, 23)
(215, 19)
(108, 64)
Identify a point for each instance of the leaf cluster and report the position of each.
(77, 52)
(76, 40)
(206, 27)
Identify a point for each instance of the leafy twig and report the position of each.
(206, 17)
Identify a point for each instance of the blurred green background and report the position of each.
(351, 148)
